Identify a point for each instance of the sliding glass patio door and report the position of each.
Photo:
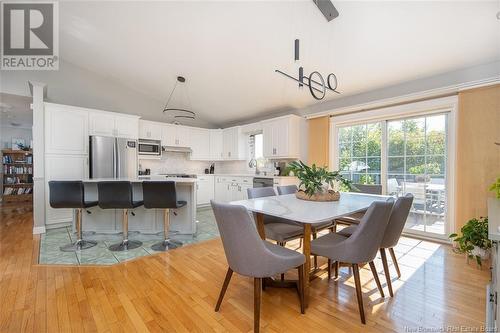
(403, 155)
(416, 163)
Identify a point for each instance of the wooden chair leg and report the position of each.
(359, 292)
(257, 295)
(377, 280)
(329, 269)
(282, 274)
(386, 271)
(395, 261)
(301, 289)
(336, 269)
(314, 235)
(229, 274)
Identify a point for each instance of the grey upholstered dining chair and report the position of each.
(392, 234)
(278, 229)
(287, 189)
(360, 247)
(355, 217)
(251, 256)
(283, 230)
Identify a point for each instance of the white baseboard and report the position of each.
(38, 230)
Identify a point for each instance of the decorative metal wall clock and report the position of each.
(315, 81)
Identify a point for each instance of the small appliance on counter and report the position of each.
(212, 168)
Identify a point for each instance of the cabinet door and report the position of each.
(66, 131)
(101, 124)
(267, 139)
(216, 145)
(205, 190)
(150, 130)
(127, 127)
(200, 143)
(281, 137)
(168, 135)
(222, 191)
(182, 136)
(62, 167)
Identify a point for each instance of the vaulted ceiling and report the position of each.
(229, 50)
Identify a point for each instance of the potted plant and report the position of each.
(474, 240)
(317, 183)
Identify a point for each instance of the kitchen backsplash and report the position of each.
(172, 162)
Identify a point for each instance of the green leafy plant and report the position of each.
(313, 178)
(474, 233)
(496, 187)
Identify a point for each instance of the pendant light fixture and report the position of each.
(179, 106)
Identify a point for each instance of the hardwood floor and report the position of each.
(178, 290)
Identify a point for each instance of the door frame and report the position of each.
(444, 105)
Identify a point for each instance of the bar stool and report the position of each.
(118, 195)
(70, 194)
(162, 195)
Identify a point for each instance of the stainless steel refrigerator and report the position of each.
(112, 157)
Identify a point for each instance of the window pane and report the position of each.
(344, 164)
(415, 145)
(415, 165)
(396, 164)
(373, 164)
(345, 134)
(359, 147)
(435, 165)
(396, 143)
(345, 150)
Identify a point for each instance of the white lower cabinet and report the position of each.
(204, 189)
(232, 188)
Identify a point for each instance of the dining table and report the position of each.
(308, 213)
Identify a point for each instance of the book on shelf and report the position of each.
(17, 191)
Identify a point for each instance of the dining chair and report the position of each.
(360, 247)
(248, 255)
(393, 232)
(282, 230)
(355, 217)
(287, 189)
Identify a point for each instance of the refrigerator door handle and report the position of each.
(115, 159)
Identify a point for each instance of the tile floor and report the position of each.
(100, 255)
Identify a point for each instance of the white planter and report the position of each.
(482, 253)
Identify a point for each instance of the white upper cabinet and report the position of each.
(175, 135)
(200, 143)
(284, 137)
(110, 124)
(233, 147)
(150, 130)
(216, 145)
(66, 130)
(127, 127)
(102, 124)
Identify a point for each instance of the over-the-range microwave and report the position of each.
(150, 147)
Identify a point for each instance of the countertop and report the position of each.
(244, 175)
(142, 178)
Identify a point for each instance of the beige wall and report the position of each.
(478, 158)
(319, 141)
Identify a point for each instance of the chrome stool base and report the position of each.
(78, 245)
(165, 245)
(125, 245)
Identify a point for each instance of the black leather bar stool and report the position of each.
(118, 195)
(70, 194)
(162, 195)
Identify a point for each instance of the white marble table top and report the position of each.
(289, 207)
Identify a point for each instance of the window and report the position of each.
(359, 153)
(404, 154)
(256, 152)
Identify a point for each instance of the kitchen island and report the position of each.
(147, 221)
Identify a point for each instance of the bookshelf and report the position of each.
(17, 175)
